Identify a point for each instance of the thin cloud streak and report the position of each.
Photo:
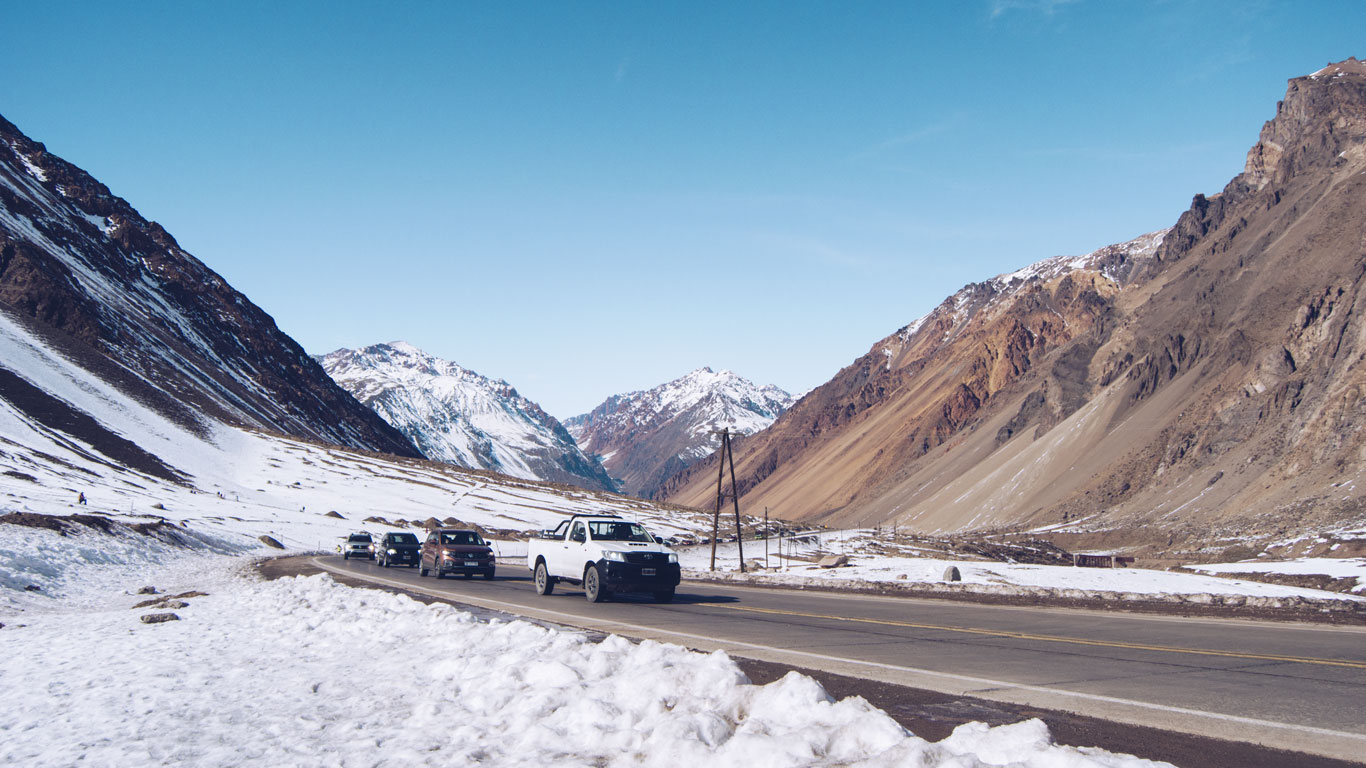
(1046, 7)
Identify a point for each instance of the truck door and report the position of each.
(570, 558)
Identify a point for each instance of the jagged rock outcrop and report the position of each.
(645, 437)
(85, 269)
(1206, 388)
(460, 417)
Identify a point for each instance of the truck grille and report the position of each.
(644, 558)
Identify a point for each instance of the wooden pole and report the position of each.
(735, 497)
(765, 538)
(716, 515)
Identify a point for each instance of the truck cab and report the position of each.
(605, 554)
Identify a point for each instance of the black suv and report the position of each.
(399, 549)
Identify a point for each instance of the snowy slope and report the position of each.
(222, 486)
(459, 417)
(100, 280)
(643, 437)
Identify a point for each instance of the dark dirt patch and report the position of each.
(157, 529)
(59, 524)
(20, 475)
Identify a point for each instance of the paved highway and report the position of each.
(1290, 686)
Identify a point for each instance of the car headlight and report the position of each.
(673, 558)
(619, 557)
(393, 551)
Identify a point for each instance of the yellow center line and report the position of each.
(1057, 639)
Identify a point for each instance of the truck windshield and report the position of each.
(603, 530)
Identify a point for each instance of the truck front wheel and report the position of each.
(545, 583)
(592, 585)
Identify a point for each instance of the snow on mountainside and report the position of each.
(457, 416)
(87, 270)
(1117, 263)
(644, 437)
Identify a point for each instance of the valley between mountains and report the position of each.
(1190, 401)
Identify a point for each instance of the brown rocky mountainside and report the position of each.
(1190, 389)
(116, 293)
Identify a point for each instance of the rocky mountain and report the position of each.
(456, 416)
(643, 438)
(1193, 390)
(82, 269)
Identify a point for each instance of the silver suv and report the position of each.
(359, 545)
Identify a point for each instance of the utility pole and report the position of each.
(725, 454)
(765, 538)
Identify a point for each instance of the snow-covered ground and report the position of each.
(792, 561)
(1337, 567)
(304, 671)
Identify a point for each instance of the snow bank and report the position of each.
(306, 671)
(44, 569)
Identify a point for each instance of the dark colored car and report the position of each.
(399, 549)
(456, 551)
(359, 545)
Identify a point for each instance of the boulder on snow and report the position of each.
(951, 574)
(833, 561)
(754, 565)
(270, 541)
(431, 523)
(334, 514)
(147, 591)
(158, 618)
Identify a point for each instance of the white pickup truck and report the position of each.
(605, 554)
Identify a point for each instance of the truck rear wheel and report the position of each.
(592, 585)
(545, 583)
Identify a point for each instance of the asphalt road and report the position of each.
(1288, 686)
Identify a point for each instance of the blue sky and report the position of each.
(591, 198)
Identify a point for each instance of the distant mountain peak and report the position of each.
(646, 436)
(460, 417)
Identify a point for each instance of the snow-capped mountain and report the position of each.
(644, 437)
(457, 416)
(82, 269)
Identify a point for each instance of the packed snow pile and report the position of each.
(372, 678)
(875, 565)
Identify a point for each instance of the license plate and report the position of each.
(647, 571)
(471, 563)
